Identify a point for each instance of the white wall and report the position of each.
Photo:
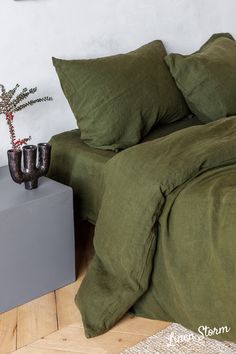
(34, 30)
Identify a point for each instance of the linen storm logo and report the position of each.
(204, 332)
(208, 332)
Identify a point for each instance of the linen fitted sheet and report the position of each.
(81, 167)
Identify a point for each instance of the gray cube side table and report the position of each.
(37, 252)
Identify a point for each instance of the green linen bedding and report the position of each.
(118, 99)
(78, 165)
(207, 77)
(81, 167)
(165, 241)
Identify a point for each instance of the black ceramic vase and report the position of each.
(31, 169)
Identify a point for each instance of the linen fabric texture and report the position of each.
(165, 240)
(116, 100)
(207, 78)
(82, 167)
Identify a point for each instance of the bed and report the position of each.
(165, 243)
(164, 204)
(165, 231)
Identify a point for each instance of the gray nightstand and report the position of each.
(37, 252)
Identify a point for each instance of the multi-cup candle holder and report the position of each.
(32, 170)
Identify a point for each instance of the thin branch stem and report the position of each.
(9, 105)
(9, 118)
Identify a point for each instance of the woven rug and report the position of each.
(176, 339)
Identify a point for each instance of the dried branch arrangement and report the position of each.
(11, 103)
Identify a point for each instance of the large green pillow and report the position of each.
(207, 78)
(116, 100)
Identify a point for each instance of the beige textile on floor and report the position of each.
(176, 339)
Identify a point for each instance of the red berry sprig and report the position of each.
(11, 103)
(15, 143)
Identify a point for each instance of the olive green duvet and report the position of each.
(80, 166)
(165, 237)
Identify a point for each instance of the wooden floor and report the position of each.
(52, 323)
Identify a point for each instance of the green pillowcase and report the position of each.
(207, 78)
(116, 100)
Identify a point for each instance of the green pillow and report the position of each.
(207, 78)
(116, 100)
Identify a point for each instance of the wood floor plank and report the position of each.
(136, 325)
(67, 311)
(8, 326)
(30, 350)
(72, 340)
(36, 319)
(139, 325)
